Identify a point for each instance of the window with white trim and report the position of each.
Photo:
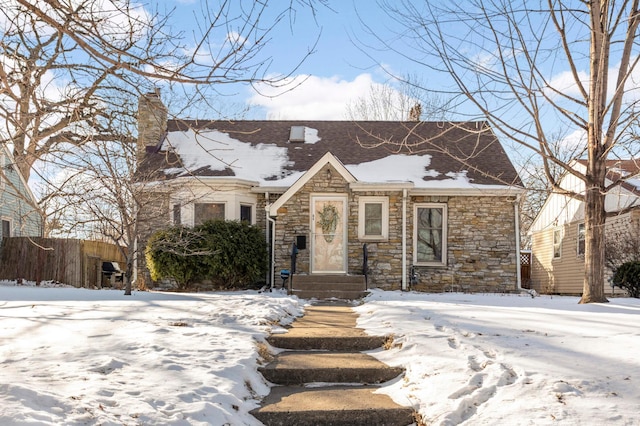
(203, 212)
(581, 239)
(373, 218)
(430, 234)
(557, 243)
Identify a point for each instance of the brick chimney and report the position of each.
(415, 112)
(152, 121)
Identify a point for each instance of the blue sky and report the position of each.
(337, 73)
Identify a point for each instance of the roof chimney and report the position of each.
(415, 112)
(152, 121)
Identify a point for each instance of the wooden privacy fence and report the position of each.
(68, 261)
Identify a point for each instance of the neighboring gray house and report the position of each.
(433, 203)
(18, 213)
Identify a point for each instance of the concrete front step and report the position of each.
(327, 328)
(327, 343)
(318, 293)
(297, 368)
(333, 405)
(347, 287)
(302, 280)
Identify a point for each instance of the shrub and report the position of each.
(229, 253)
(240, 253)
(175, 253)
(627, 276)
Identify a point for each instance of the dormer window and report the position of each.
(296, 134)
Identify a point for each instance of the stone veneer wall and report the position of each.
(481, 245)
(481, 238)
(293, 219)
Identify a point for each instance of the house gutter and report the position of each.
(404, 240)
(516, 211)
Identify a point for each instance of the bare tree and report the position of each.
(395, 102)
(67, 65)
(94, 196)
(531, 69)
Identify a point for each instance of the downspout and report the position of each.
(272, 261)
(516, 212)
(404, 240)
(270, 275)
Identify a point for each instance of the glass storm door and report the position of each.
(328, 234)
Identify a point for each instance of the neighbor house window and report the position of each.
(177, 214)
(208, 211)
(373, 218)
(6, 228)
(581, 239)
(430, 234)
(557, 240)
(246, 213)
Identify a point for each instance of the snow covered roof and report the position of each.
(428, 154)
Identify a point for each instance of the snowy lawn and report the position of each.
(75, 357)
(83, 357)
(511, 360)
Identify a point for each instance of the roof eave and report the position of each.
(478, 191)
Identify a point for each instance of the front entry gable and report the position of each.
(328, 158)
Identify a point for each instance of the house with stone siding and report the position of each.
(558, 232)
(394, 205)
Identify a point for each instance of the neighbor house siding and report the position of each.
(15, 204)
(566, 274)
(551, 275)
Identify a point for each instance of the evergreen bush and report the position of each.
(627, 276)
(230, 254)
(240, 249)
(176, 254)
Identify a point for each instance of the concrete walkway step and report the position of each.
(327, 343)
(333, 405)
(332, 329)
(327, 327)
(297, 368)
(319, 293)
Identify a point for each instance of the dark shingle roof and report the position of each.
(453, 147)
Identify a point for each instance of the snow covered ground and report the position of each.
(87, 357)
(75, 357)
(511, 360)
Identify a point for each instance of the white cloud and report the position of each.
(316, 98)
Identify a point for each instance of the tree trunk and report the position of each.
(594, 259)
(127, 280)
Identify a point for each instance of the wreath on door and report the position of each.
(328, 221)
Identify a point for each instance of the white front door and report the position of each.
(329, 234)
